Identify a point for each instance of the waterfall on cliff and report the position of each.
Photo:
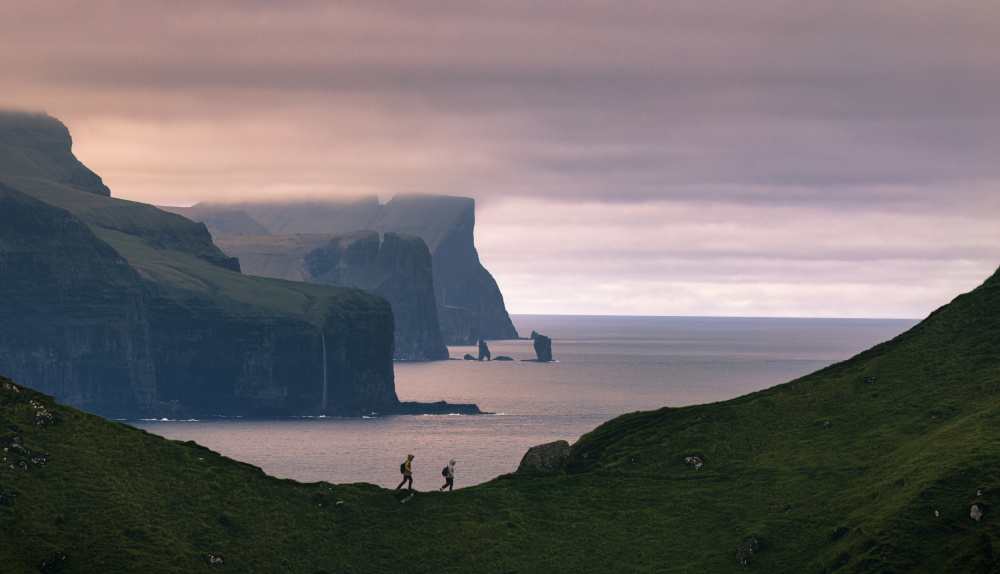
(322, 339)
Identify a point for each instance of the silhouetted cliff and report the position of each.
(126, 310)
(397, 268)
(39, 146)
(73, 317)
(468, 299)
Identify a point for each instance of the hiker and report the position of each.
(449, 476)
(407, 473)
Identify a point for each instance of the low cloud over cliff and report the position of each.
(801, 143)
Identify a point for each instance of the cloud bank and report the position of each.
(751, 158)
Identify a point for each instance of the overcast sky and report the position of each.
(766, 158)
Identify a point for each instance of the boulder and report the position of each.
(976, 512)
(747, 550)
(17, 447)
(54, 563)
(43, 418)
(543, 348)
(548, 458)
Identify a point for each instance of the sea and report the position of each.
(604, 366)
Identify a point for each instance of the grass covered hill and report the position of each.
(887, 462)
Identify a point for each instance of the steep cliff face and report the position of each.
(126, 310)
(73, 319)
(220, 361)
(460, 280)
(397, 268)
(445, 223)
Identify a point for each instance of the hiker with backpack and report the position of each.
(407, 473)
(448, 473)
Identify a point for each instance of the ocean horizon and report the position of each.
(604, 366)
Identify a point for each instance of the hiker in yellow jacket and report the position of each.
(407, 473)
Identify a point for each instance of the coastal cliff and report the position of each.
(126, 310)
(885, 462)
(469, 302)
(73, 318)
(398, 268)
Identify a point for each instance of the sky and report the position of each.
(699, 157)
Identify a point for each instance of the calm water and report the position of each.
(605, 366)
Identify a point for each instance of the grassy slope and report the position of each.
(273, 255)
(159, 245)
(858, 496)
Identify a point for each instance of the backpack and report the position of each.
(402, 468)
(444, 471)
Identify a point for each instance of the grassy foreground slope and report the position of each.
(870, 465)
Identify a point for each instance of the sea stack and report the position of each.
(543, 348)
(484, 351)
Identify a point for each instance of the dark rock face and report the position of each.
(73, 320)
(127, 311)
(543, 348)
(224, 363)
(484, 351)
(459, 326)
(39, 146)
(548, 458)
(444, 223)
(397, 268)
(438, 408)
(77, 321)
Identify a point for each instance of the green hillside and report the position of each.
(870, 465)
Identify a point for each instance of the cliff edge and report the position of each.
(39, 146)
(129, 311)
(469, 302)
(397, 267)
